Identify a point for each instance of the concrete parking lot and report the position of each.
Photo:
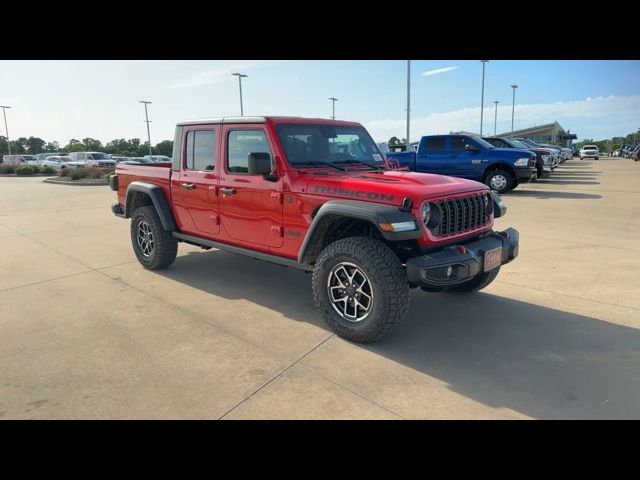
(86, 332)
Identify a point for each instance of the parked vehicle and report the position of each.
(19, 160)
(555, 156)
(54, 161)
(544, 162)
(43, 156)
(158, 158)
(316, 195)
(92, 159)
(589, 151)
(561, 154)
(469, 156)
(635, 153)
(118, 158)
(136, 161)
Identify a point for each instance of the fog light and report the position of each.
(449, 272)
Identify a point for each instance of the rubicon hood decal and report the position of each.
(345, 192)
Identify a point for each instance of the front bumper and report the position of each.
(525, 174)
(456, 264)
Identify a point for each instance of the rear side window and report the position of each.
(201, 150)
(496, 142)
(434, 144)
(240, 144)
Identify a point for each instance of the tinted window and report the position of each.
(240, 144)
(458, 143)
(496, 142)
(434, 144)
(201, 150)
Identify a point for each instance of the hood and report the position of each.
(512, 152)
(390, 186)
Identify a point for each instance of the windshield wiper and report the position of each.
(320, 164)
(352, 161)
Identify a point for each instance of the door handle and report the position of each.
(188, 186)
(228, 191)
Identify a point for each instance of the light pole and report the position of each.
(484, 63)
(408, 101)
(147, 121)
(513, 107)
(6, 129)
(240, 77)
(333, 107)
(495, 120)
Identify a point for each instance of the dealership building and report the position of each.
(549, 133)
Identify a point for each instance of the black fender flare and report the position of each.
(159, 202)
(374, 213)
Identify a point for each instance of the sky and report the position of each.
(60, 100)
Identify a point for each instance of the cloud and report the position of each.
(593, 117)
(219, 74)
(428, 73)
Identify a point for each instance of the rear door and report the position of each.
(250, 206)
(194, 187)
(432, 156)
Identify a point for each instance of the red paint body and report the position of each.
(274, 217)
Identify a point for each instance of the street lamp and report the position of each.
(495, 120)
(6, 129)
(333, 106)
(240, 77)
(513, 107)
(408, 101)
(147, 121)
(484, 62)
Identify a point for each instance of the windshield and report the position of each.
(304, 143)
(100, 156)
(520, 144)
(481, 142)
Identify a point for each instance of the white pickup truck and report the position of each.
(589, 151)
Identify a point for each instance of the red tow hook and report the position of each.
(505, 234)
(462, 249)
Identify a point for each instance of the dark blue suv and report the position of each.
(471, 157)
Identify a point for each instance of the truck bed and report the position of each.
(158, 174)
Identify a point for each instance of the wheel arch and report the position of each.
(337, 219)
(140, 194)
(499, 166)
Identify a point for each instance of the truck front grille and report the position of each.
(461, 215)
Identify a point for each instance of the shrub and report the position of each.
(95, 173)
(78, 173)
(65, 172)
(4, 168)
(47, 170)
(25, 171)
(36, 168)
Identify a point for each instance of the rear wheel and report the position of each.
(154, 247)
(361, 288)
(499, 180)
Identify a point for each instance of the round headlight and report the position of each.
(425, 212)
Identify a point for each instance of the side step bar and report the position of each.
(205, 242)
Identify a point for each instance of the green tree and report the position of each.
(19, 145)
(164, 148)
(35, 145)
(92, 145)
(393, 141)
(74, 145)
(4, 146)
(52, 147)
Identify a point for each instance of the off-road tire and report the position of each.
(510, 184)
(165, 246)
(389, 284)
(478, 282)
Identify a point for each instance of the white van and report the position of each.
(19, 160)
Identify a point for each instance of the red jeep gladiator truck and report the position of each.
(316, 195)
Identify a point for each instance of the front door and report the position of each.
(194, 189)
(464, 163)
(250, 205)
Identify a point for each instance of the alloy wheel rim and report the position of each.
(498, 182)
(350, 292)
(144, 237)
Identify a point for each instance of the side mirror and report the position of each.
(470, 148)
(259, 163)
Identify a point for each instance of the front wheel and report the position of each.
(154, 247)
(361, 288)
(500, 181)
